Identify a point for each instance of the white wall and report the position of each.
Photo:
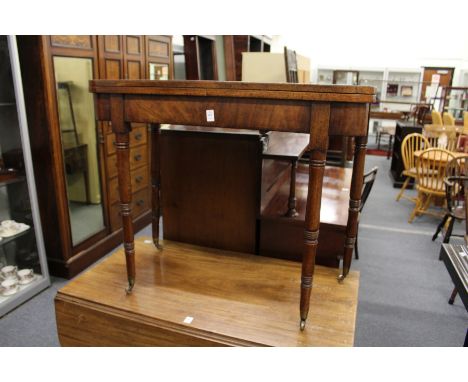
(377, 34)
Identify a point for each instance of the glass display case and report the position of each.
(403, 87)
(345, 77)
(324, 76)
(455, 101)
(23, 267)
(372, 78)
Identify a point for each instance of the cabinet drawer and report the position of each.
(138, 136)
(141, 203)
(138, 157)
(139, 178)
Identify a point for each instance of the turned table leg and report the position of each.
(122, 144)
(292, 212)
(320, 117)
(155, 182)
(354, 204)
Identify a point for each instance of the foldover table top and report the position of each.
(237, 89)
(253, 106)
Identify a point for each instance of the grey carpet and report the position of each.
(403, 291)
(404, 288)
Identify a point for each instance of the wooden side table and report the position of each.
(288, 147)
(311, 109)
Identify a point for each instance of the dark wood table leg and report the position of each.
(319, 121)
(354, 203)
(390, 146)
(452, 296)
(122, 144)
(155, 182)
(291, 212)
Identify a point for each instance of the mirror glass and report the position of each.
(79, 143)
(158, 71)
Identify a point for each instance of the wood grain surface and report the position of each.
(238, 89)
(234, 299)
(283, 145)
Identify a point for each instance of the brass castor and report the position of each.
(157, 245)
(341, 278)
(131, 283)
(302, 325)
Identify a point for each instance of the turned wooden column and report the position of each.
(354, 203)
(319, 122)
(121, 130)
(155, 181)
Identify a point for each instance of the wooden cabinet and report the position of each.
(200, 58)
(79, 230)
(129, 57)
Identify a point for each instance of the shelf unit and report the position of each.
(397, 88)
(402, 87)
(454, 101)
(18, 200)
(200, 57)
(372, 78)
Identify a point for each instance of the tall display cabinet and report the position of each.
(79, 195)
(21, 242)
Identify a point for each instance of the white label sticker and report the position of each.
(188, 320)
(210, 116)
(147, 241)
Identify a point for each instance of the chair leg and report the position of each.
(403, 188)
(415, 209)
(452, 297)
(449, 230)
(378, 141)
(356, 253)
(440, 226)
(427, 203)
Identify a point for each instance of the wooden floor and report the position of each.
(234, 299)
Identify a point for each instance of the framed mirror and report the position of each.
(79, 144)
